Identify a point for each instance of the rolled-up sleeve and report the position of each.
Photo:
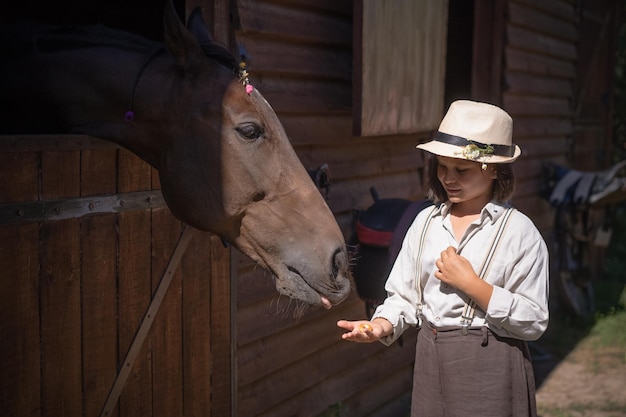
(519, 308)
(400, 306)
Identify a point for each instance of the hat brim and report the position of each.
(452, 151)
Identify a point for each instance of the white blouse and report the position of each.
(519, 273)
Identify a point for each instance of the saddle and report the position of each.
(569, 187)
(380, 230)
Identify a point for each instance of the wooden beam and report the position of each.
(70, 208)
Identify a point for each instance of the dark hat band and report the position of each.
(499, 150)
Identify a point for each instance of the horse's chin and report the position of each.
(315, 288)
(293, 285)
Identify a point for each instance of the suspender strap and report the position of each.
(470, 306)
(418, 263)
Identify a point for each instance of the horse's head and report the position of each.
(227, 166)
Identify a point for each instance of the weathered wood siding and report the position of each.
(300, 59)
(539, 76)
(74, 289)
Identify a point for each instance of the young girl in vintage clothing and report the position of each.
(473, 273)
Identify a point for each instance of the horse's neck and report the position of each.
(86, 87)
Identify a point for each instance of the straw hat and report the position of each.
(479, 132)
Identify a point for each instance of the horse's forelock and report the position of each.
(220, 54)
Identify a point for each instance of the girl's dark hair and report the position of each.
(503, 186)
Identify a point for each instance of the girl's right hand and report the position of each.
(361, 331)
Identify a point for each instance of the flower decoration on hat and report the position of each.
(474, 152)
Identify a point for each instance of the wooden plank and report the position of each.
(19, 177)
(270, 316)
(223, 385)
(316, 130)
(133, 173)
(99, 282)
(60, 318)
(60, 291)
(562, 9)
(167, 388)
(539, 126)
(98, 174)
(52, 142)
(272, 56)
(542, 147)
(540, 43)
(343, 8)
(304, 96)
(20, 354)
(371, 160)
(344, 383)
(134, 282)
(523, 83)
(539, 21)
(148, 319)
(255, 285)
(99, 305)
(355, 194)
(196, 319)
(537, 106)
(358, 59)
(264, 394)
(381, 399)
(320, 333)
(60, 174)
(294, 24)
(134, 285)
(526, 61)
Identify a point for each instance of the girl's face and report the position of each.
(465, 181)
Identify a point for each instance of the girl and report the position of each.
(472, 273)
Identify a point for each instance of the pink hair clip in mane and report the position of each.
(243, 77)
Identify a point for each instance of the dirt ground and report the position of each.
(588, 382)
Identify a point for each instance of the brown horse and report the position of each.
(225, 162)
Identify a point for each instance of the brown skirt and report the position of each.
(479, 374)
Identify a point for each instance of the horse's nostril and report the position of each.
(259, 196)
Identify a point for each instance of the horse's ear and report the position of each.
(180, 42)
(197, 27)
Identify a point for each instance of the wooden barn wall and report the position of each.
(598, 26)
(557, 78)
(74, 289)
(292, 361)
(539, 80)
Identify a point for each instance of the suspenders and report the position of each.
(418, 263)
(470, 307)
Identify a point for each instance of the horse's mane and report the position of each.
(30, 37)
(220, 54)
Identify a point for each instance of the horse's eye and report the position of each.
(250, 131)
